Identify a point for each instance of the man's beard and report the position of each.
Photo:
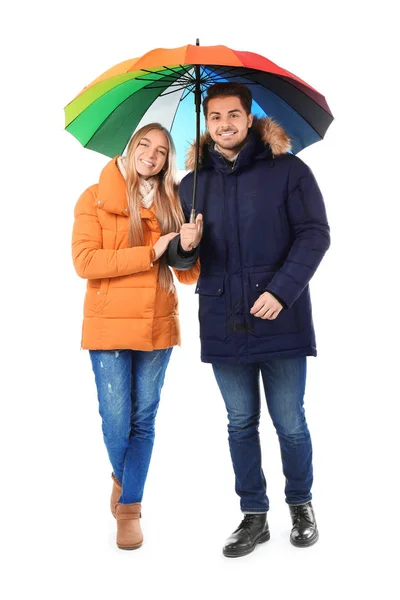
(236, 148)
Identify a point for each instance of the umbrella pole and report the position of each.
(197, 101)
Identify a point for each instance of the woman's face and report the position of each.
(151, 154)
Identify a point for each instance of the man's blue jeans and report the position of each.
(284, 384)
(129, 385)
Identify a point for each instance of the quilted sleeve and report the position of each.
(307, 217)
(91, 261)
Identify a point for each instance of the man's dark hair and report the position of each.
(229, 88)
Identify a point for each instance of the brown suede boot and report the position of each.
(115, 494)
(129, 532)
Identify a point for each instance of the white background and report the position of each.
(56, 528)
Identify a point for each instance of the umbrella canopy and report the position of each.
(157, 86)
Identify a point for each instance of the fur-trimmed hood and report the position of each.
(265, 128)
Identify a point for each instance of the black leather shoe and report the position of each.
(252, 530)
(304, 532)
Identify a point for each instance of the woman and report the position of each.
(123, 226)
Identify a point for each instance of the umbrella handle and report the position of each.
(199, 226)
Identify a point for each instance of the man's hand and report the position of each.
(266, 307)
(191, 233)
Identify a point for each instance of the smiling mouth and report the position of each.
(146, 163)
(227, 133)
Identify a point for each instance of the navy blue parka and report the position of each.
(265, 229)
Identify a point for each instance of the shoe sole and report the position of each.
(307, 544)
(263, 538)
(129, 547)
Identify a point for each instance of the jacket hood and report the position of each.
(266, 129)
(112, 189)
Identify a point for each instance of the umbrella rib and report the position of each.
(187, 70)
(175, 82)
(231, 71)
(170, 69)
(183, 87)
(173, 71)
(152, 72)
(173, 76)
(176, 110)
(164, 77)
(181, 67)
(188, 91)
(212, 78)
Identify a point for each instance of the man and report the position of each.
(265, 233)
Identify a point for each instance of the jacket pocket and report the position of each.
(212, 307)
(286, 322)
(101, 295)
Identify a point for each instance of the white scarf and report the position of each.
(146, 191)
(146, 186)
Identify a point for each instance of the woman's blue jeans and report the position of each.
(129, 385)
(284, 384)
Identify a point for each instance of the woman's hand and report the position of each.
(191, 233)
(162, 244)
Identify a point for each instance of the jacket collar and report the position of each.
(112, 196)
(266, 139)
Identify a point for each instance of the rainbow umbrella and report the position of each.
(158, 87)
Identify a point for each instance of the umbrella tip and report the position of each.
(197, 42)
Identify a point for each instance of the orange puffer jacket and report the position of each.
(125, 307)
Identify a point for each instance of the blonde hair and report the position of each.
(167, 207)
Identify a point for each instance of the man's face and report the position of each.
(228, 124)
